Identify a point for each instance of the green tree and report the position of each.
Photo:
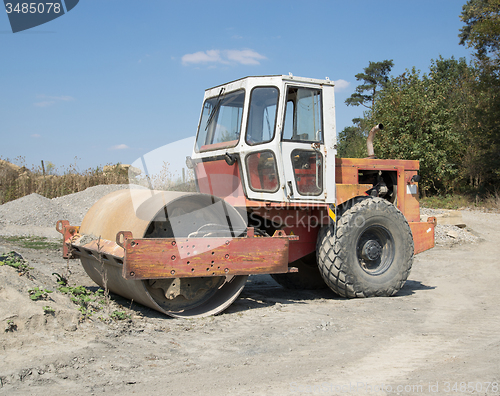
(483, 154)
(352, 142)
(352, 139)
(482, 33)
(425, 118)
(482, 28)
(374, 78)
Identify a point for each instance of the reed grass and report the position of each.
(51, 182)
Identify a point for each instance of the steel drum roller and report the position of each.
(162, 214)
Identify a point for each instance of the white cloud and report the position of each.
(119, 147)
(202, 57)
(341, 85)
(50, 100)
(63, 98)
(36, 135)
(44, 103)
(243, 57)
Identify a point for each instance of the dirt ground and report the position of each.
(439, 335)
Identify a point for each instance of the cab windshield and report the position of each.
(220, 124)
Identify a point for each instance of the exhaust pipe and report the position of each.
(369, 141)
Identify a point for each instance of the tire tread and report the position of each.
(331, 256)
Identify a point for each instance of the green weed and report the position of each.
(455, 201)
(445, 202)
(11, 326)
(48, 310)
(88, 302)
(34, 242)
(119, 315)
(14, 260)
(62, 280)
(39, 294)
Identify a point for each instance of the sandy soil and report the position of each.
(438, 335)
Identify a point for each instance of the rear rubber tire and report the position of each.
(308, 277)
(371, 253)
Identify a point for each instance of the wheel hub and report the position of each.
(371, 250)
(375, 249)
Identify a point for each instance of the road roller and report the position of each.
(272, 198)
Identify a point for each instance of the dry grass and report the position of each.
(490, 201)
(18, 181)
(14, 186)
(168, 181)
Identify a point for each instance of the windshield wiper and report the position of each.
(214, 110)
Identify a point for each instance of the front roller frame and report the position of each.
(167, 258)
(106, 262)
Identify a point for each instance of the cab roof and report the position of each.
(288, 77)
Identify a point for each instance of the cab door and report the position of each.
(302, 144)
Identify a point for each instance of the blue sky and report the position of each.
(114, 79)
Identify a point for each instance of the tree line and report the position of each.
(448, 118)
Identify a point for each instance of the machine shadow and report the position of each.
(261, 291)
(411, 286)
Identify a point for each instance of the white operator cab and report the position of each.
(280, 130)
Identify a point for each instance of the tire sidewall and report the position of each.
(376, 213)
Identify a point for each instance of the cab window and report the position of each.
(303, 121)
(308, 171)
(220, 124)
(262, 115)
(262, 171)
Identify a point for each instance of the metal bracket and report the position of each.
(69, 233)
(121, 238)
(282, 234)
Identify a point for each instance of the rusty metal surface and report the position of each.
(379, 164)
(204, 257)
(99, 247)
(412, 205)
(345, 192)
(292, 206)
(108, 273)
(423, 234)
(401, 193)
(347, 170)
(304, 222)
(68, 232)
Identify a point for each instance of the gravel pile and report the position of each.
(35, 210)
(449, 234)
(78, 204)
(32, 210)
(431, 212)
